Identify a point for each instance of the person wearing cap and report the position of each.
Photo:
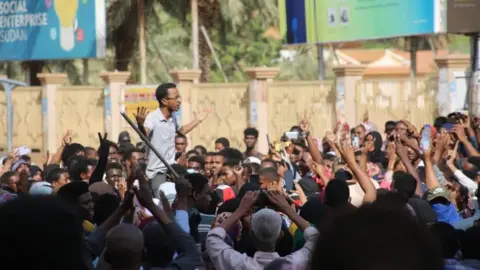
(266, 227)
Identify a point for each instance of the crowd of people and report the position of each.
(404, 197)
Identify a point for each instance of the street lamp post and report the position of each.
(9, 85)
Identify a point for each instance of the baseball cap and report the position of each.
(252, 160)
(266, 225)
(168, 189)
(41, 188)
(438, 192)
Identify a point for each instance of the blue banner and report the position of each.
(52, 29)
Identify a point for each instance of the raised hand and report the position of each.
(141, 115)
(238, 170)
(248, 200)
(202, 115)
(67, 137)
(346, 151)
(278, 199)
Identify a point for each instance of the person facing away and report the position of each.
(161, 126)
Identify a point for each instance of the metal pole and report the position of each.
(217, 61)
(195, 50)
(470, 103)
(321, 62)
(9, 85)
(147, 142)
(413, 57)
(142, 45)
(85, 71)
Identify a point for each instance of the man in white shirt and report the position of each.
(161, 126)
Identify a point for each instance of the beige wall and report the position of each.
(234, 106)
(81, 109)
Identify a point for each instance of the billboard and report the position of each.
(52, 29)
(463, 16)
(139, 96)
(331, 21)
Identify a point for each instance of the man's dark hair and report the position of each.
(337, 193)
(88, 148)
(251, 132)
(230, 163)
(440, 121)
(201, 150)
(159, 246)
(162, 91)
(92, 162)
(191, 152)
(128, 151)
(404, 184)
(61, 231)
(211, 154)
(27, 158)
(197, 180)
(269, 161)
(390, 123)
(369, 230)
(71, 150)
(445, 234)
(270, 173)
(179, 135)
(113, 165)
(55, 174)
(197, 159)
(76, 166)
(6, 176)
(232, 154)
(469, 243)
(223, 141)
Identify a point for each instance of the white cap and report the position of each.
(168, 188)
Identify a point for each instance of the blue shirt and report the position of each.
(446, 213)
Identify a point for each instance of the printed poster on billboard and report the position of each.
(52, 29)
(331, 21)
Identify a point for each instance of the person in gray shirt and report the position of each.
(161, 126)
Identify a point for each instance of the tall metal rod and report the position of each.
(195, 34)
(9, 85)
(142, 42)
(147, 142)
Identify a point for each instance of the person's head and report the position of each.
(439, 122)
(360, 131)
(266, 228)
(337, 193)
(113, 153)
(58, 177)
(221, 143)
(168, 97)
(10, 180)
(60, 229)
(446, 236)
(21, 166)
(114, 174)
(209, 163)
(73, 149)
(104, 207)
(90, 152)
(196, 163)
(401, 128)
(395, 238)
(269, 178)
(132, 155)
(268, 163)
(91, 164)
(181, 143)
(36, 173)
(404, 184)
(469, 243)
(471, 168)
(124, 137)
(250, 136)
(200, 196)
(217, 163)
(124, 247)
(159, 246)
(77, 194)
(252, 168)
(192, 153)
(201, 150)
(227, 173)
(389, 127)
(412, 154)
(78, 168)
(231, 154)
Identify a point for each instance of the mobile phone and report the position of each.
(292, 135)
(254, 178)
(356, 141)
(23, 150)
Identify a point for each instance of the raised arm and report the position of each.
(459, 131)
(140, 117)
(402, 154)
(97, 174)
(364, 181)
(312, 146)
(199, 117)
